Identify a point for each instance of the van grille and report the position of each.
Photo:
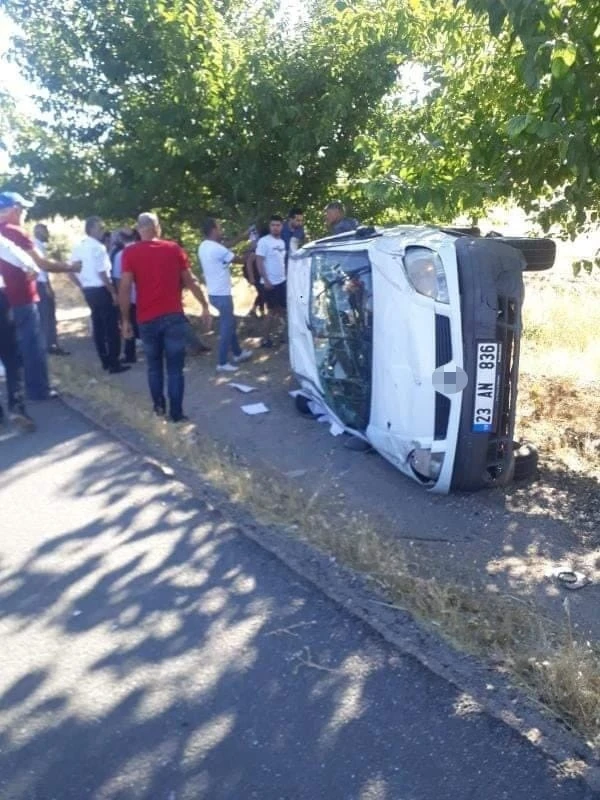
(443, 340)
(442, 415)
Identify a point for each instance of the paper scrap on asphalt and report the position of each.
(255, 408)
(295, 473)
(296, 393)
(241, 387)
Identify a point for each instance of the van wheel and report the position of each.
(539, 253)
(502, 477)
(526, 461)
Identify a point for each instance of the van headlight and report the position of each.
(425, 464)
(425, 271)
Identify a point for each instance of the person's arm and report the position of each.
(53, 266)
(260, 265)
(188, 281)
(18, 257)
(229, 257)
(102, 264)
(109, 286)
(251, 273)
(125, 284)
(229, 243)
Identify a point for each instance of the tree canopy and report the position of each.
(221, 106)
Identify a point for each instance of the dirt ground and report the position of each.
(498, 541)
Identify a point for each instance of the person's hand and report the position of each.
(206, 320)
(75, 266)
(267, 284)
(126, 329)
(115, 297)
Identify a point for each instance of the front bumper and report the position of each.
(491, 288)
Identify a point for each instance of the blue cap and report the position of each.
(10, 199)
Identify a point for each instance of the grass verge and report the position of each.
(540, 655)
(559, 388)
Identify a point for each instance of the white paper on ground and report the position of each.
(296, 393)
(255, 408)
(241, 387)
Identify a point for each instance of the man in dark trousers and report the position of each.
(100, 295)
(160, 271)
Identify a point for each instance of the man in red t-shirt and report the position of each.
(160, 270)
(21, 292)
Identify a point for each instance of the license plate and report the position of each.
(488, 356)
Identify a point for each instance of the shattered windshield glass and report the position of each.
(342, 328)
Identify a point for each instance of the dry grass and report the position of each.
(541, 655)
(559, 401)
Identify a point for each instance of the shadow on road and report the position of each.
(154, 652)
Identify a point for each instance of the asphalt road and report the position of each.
(149, 650)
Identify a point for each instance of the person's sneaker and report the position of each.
(120, 368)
(245, 355)
(226, 368)
(266, 343)
(177, 420)
(22, 420)
(160, 410)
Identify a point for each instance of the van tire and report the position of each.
(539, 254)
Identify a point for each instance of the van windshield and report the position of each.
(341, 312)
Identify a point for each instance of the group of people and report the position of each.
(265, 267)
(133, 285)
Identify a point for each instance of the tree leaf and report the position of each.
(517, 125)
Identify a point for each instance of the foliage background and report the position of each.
(409, 110)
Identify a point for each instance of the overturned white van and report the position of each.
(409, 337)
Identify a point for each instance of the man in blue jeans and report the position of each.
(160, 271)
(21, 292)
(215, 260)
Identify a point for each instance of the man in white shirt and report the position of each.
(270, 260)
(47, 302)
(100, 295)
(215, 260)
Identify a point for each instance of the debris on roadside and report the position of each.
(255, 408)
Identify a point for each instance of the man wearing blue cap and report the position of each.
(21, 292)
